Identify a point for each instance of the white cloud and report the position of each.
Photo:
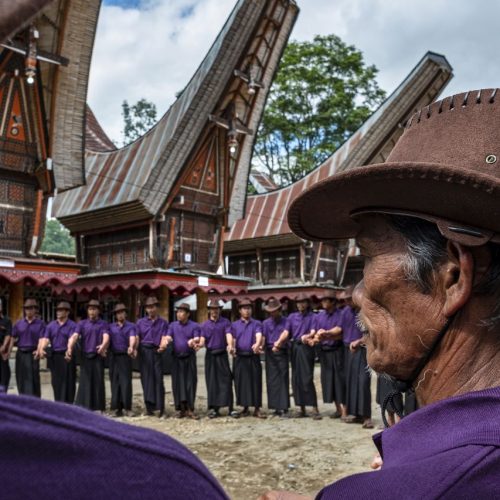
(153, 52)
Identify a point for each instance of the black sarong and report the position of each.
(91, 393)
(359, 395)
(277, 380)
(152, 378)
(184, 381)
(304, 391)
(219, 379)
(63, 377)
(27, 374)
(120, 375)
(248, 380)
(4, 374)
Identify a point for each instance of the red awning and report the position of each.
(39, 271)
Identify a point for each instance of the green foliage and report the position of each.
(57, 239)
(323, 92)
(138, 119)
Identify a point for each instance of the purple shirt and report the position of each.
(91, 333)
(28, 334)
(120, 335)
(350, 331)
(150, 332)
(54, 443)
(182, 333)
(59, 334)
(245, 333)
(449, 449)
(272, 330)
(299, 324)
(326, 321)
(214, 333)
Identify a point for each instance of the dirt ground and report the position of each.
(250, 456)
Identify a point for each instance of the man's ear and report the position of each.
(458, 278)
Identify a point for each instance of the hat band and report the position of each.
(465, 235)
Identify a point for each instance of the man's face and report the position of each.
(327, 304)
(182, 315)
(400, 320)
(151, 311)
(276, 315)
(30, 312)
(121, 316)
(92, 312)
(214, 313)
(62, 314)
(245, 312)
(302, 306)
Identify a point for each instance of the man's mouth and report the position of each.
(362, 326)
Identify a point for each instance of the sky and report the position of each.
(151, 48)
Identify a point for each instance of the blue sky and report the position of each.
(151, 48)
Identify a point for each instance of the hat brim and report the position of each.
(182, 309)
(63, 308)
(120, 310)
(443, 191)
(272, 309)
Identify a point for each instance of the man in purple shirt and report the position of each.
(276, 349)
(93, 333)
(246, 339)
(62, 366)
(215, 337)
(27, 333)
(5, 336)
(428, 224)
(184, 335)
(123, 337)
(298, 329)
(327, 331)
(152, 333)
(358, 379)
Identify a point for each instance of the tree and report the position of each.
(322, 93)
(57, 239)
(138, 119)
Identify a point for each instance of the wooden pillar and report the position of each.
(130, 300)
(201, 305)
(258, 252)
(16, 300)
(164, 298)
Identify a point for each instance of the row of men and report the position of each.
(332, 334)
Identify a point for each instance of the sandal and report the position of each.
(353, 419)
(336, 414)
(368, 425)
(317, 416)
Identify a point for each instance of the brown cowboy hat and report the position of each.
(151, 301)
(94, 303)
(213, 304)
(329, 294)
(445, 168)
(119, 307)
(302, 297)
(272, 305)
(63, 305)
(30, 303)
(184, 306)
(245, 302)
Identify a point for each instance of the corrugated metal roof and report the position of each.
(142, 173)
(265, 214)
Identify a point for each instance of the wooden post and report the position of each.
(16, 300)
(259, 265)
(201, 305)
(317, 257)
(302, 259)
(164, 298)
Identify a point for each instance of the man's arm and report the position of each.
(71, 344)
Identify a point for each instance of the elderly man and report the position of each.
(184, 334)
(428, 224)
(123, 342)
(276, 346)
(94, 336)
(152, 332)
(215, 337)
(62, 366)
(27, 333)
(246, 340)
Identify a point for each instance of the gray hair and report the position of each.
(427, 249)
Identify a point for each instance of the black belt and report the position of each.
(182, 355)
(27, 349)
(119, 353)
(245, 354)
(215, 352)
(149, 346)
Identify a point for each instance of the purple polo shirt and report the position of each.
(350, 331)
(120, 335)
(182, 333)
(272, 330)
(53, 444)
(327, 321)
(214, 333)
(91, 333)
(150, 332)
(449, 449)
(299, 324)
(28, 334)
(59, 334)
(245, 333)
